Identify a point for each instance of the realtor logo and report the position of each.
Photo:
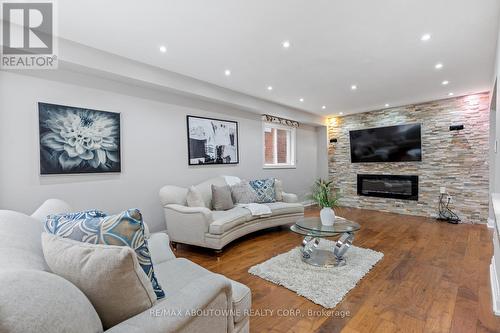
(28, 35)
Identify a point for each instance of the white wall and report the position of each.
(495, 181)
(322, 138)
(494, 120)
(154, 148)
(492, 154)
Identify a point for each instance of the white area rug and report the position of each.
(323, 286)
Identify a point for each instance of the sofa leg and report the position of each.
(218, 252)
(174, 245)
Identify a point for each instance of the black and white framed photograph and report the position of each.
(78, 140)
(212, 141)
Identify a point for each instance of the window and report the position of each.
(279, 146)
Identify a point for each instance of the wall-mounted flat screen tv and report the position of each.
(400, 143)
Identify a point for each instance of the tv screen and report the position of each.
(386, 144)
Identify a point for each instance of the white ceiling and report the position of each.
(334, 44)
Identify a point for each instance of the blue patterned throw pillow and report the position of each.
(95, 227)
(53, 226)
(264, 188)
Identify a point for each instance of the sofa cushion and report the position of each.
(280, 208)
(194, 198)
(278, 188)
(124, 229)
(221, 197)
(243, 193)
(198, 302)
(110, 276)
(20, 245)
(242, 301)
(205, 189)
(40, 302)
(226, 220)
(175, 274)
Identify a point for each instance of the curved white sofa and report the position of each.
(204, 227)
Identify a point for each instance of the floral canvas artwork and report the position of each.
(212, 141)
(77, 140)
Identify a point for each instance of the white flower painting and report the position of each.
(212, 141)
(76, 140)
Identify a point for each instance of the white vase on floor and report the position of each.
(327, 216)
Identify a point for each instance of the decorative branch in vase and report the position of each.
(322, 194)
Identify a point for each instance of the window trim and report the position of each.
(291, 153)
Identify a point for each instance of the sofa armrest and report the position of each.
(159, 247)
(205, 212)
(290, 197)
(187, 224)
(180, 311)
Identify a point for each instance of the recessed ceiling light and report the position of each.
(341, 113)
(451, 94)
(269, 87)
(285, 44)
(386, 105)
(227, 72)
(354, 87)
(301, 99)
(323, 107)
(163, 49)
(445, 82)
(425, 37)
(438, 65)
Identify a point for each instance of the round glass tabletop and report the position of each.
(313, 226)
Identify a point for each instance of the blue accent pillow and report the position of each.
(53, 226)
(264, 188)
(95, 227)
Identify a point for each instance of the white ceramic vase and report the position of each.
(327, 216)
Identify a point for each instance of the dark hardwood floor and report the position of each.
(434, 277)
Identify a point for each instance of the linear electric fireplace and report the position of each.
(388, 186)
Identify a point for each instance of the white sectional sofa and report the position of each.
(205, 227)
(32, 299)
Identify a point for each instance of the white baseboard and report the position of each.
(491, 223)
(495, 289)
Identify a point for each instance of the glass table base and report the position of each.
(315, 256)
(323, 258)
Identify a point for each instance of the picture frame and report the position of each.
(212, 141)
(75, 140)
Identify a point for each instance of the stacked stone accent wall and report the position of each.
(456, 160)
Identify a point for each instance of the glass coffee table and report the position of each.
(313, 231)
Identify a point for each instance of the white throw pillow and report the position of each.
(110, 276)
(278, 189)
(194, 198)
